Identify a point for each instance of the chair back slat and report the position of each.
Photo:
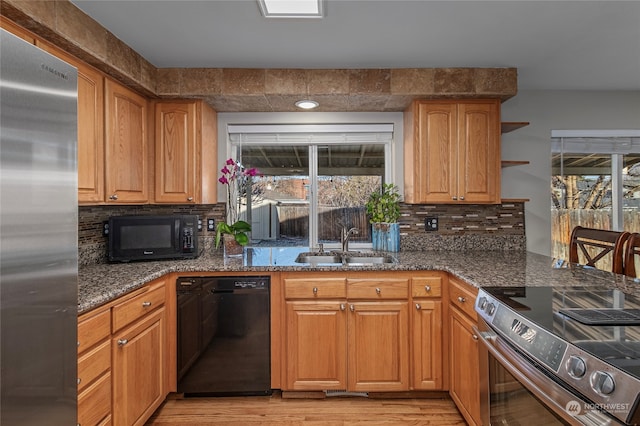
(631, 253)
(595, 244)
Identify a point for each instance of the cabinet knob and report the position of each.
(79, 380)
(189, 199)
(427, 288)
(377, 290)
(352, 308)
(122, 342)
(342, 307)
(315, 290)
(474, 337)
(454, 198)
(462, 197)
(461, 299)
(146, 304)
(113, 197)
(417, 306)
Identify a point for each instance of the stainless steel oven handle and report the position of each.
(545, 389)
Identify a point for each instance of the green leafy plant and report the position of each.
(384, 205)
(237, 178)
(238, 229)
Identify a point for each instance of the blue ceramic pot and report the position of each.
(385, 236)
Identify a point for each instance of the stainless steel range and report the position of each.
(574, 351)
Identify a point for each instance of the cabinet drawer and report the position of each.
(93, 363)
(93, 329)
(315, 288)
(94, 404)
(378, 289)
(463, 296)
(132, 309)
(426, 286)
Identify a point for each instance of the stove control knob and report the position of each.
(603, 383)
(576, 366)
(482, 302)
(490, 309)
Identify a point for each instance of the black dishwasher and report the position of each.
(223, 336)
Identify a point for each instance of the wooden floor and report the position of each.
(278, 411)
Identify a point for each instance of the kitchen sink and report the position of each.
(368, 260)
(348, 259)
(318, 258)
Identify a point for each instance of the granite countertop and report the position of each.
(101, 283)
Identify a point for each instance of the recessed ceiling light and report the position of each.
(292, 8)
(307, 104)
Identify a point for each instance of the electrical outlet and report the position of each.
(199, 224)
(430, 223)
(211, 225)
(105, 228)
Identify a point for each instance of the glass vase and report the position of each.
(231, 247)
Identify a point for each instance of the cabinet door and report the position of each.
(479, 152)
(427, 345)
(378, 341)
(175, 152)
(90, 135)
(316, 345)
(90, 127)
(138, 370)
(437, 152)
(465, 377)
(126, 145)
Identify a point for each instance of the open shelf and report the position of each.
(510, 126)
(511, 163)
(513, 200)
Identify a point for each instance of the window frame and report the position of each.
(315, 122)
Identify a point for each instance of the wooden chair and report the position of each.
(632, 249)
(588, 246)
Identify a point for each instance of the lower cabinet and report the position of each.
(428, 334)
(94, 367)
(138, 370)
(122, 359)
(346, 333)
(378, 342)
(316, 341)
(463, 352)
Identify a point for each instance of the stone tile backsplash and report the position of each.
(92, 244)
(460, 227)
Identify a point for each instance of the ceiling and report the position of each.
(565, 45)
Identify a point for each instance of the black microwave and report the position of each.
(153, 237)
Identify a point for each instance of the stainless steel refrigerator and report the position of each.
(38, 236)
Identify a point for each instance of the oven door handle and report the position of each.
(544, 388)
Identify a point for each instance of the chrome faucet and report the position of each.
(346, 236)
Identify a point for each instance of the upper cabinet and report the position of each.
(185, 152)
(90, 127)
(126, 145)
(452, 152)
(90, 119)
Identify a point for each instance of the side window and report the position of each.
(595, 183)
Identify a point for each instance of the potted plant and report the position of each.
(383, 208)
(234, 231)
